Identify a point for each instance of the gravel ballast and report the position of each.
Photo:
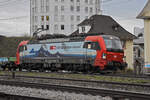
(47, 94)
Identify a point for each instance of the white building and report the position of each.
(61, 16)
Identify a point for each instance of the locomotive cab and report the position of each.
(109, 52)
(114, 53)
(20, 51)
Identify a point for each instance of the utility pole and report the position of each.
(30, 20)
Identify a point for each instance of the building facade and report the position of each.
(61, 16)
(145, 15)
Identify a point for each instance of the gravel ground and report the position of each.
(53, 95)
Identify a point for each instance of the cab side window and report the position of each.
(22, 48)
(25, 47)
(91, 45)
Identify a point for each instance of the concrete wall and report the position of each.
(147, 40)
(128, 51)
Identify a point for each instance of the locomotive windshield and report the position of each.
(113, 45)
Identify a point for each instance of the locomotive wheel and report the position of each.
(40, 67)
(4, 68)
(53, 68)
(20, 69)
(41, 70)
(9, 68)
(75, 68)
(29, 69)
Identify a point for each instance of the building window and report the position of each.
(83, 29)
(42, 5)
(86, 9)
(33, 10)
(86, 1)
(42, 2)
(36, 18)
(42, 26)
(56, 8)
(78, 18)
(86, 17)
(72, 27)
(47, 2)
(91, 2)
(62, 27)
(42, 9)
(36, 10)
(62, 0)
(62, 18)
(78, 0)
(62, 8)
(55, 27)
(33, 28)
(47, 8)
(47, 18)
(36, 27)
(91, 10)
(47, 27)
(42, 18)
(72, 8)
(33, 2)
(78, 8)
(71, 17)
(56, 18)
(33, 19)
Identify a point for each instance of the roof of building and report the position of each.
(139, 41)
(106, 25)
(145, 13)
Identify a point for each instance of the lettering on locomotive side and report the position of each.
(67, 47)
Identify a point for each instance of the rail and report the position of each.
(106, 92)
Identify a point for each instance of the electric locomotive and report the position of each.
(88, 54)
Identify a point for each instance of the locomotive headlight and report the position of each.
(104, 56)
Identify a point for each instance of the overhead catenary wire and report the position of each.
(105, 1)
(116, 1)
(11, 2)
(14, 18)
(5, 1)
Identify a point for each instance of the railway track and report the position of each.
(143, 88)
(95, 74)
(83, 90)
(4, 96)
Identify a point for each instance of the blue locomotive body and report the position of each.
(66, 52)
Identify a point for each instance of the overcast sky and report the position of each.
(123, 11)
